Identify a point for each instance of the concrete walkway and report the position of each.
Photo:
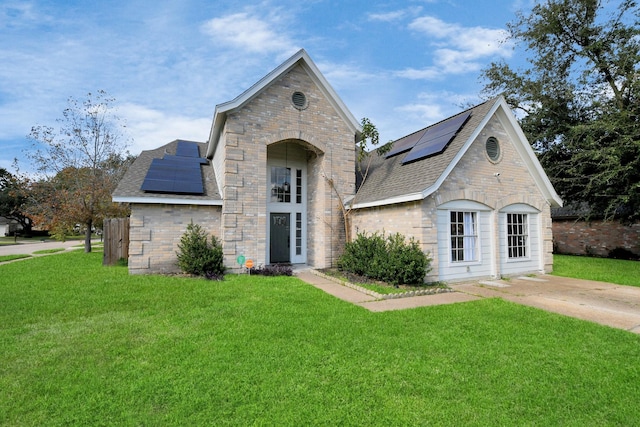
(370, 303)
(605, 303)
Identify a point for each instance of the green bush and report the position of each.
(363, 255)
(199, 256)
(392, 259)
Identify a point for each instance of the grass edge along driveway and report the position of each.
(83, 344)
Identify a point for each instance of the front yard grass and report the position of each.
(609, 270)
(82, 344)
(48, 251)
(5, 258)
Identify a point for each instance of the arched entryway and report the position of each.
(287, 203)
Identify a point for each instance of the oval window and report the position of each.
(493, 149)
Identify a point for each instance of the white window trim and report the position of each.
(478, 247)
(506, 236)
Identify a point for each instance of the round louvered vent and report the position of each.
(493, 149)
(299, 100)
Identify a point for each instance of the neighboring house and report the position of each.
(470, 188)
(8, 227)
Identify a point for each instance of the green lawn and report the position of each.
(82, 344)
(4, 258)
(601, 269)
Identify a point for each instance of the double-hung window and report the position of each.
(464, 236)
(517, 235)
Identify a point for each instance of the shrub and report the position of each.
(406, 261)
(273, 270)
(622, 253)
(393, 260)
(199, 256)
(364, 255)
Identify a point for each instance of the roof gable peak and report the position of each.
(300, 58)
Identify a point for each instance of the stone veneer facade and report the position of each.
(318, 134)
(155, 232)
(263, 128)
(472, 179)
(317, 131)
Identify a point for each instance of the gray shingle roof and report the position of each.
(389, 178)
(129, 186)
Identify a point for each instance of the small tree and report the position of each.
(79, 155)
(368, 138)
(199, 256)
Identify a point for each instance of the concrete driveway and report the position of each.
(605, 303)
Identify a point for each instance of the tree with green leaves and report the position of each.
(82, 162)
(578, 99)
(14, 192)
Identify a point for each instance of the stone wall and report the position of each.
(594, 238)
(156, 229)
(474, 178)
(271, 118)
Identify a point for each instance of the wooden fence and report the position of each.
(116, 240)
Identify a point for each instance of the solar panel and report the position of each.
(187, 149)
(434, 146)
(405, 143)
(170, 158)
(436, 139)
(177, 174)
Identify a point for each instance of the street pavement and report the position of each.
(33, 245)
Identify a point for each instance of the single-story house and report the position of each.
(8, 227)
(282, 156)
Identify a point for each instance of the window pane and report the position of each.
(280, 185)
(298, 186)
(517, 235)
(464, 236)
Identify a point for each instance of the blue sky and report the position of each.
(403, 64)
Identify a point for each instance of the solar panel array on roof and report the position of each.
(436, 139)
(429, 141)
(405, 143)
(179, 174)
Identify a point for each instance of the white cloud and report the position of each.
(247, 32)
(150, 128)
(395, 15)
(429, 108)
(430, 73)
(427, 112)
(387, 17)
(458, 49)
(344, 74)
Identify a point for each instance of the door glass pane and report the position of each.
(280, 185)
(298, 186)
